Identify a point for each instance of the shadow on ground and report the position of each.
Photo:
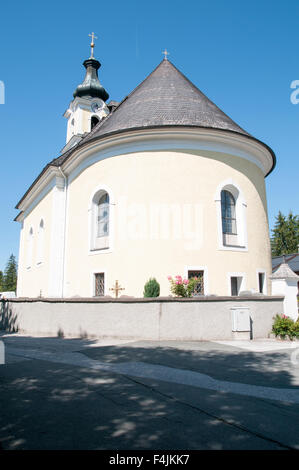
(217, 360)
(47, 405)
(8, 320)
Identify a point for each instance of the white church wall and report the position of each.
(182, 183)
(57, 240)
(33, 274)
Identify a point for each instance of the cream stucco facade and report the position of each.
(164, 189)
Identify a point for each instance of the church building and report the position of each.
(160, 184)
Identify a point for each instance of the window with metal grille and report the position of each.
(228, 213)
(199, 288)
(99, 284)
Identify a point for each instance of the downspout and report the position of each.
(64, 229)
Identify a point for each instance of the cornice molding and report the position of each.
(49, 179)
(173, 139)
(147, 140)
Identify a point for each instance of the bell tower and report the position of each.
(88, 107)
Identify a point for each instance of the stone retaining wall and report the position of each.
(206, 318)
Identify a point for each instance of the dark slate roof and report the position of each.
(292, 260)
(166, 98)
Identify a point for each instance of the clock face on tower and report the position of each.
(97, 105)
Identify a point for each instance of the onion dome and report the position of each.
(91, 86)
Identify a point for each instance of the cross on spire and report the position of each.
(166, 53)
(93, 37)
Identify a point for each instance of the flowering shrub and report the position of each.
(183, 287)
(284, 326)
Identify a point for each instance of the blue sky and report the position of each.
(242, 55)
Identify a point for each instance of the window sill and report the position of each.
(100, 249)
(233, 248)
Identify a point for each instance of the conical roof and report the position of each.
(284, 272)
(165, 98)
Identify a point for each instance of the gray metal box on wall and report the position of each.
(240, 318)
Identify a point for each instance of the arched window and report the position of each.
(40, 242)
(228, 213)
(100, 220)
(231, 216)
(94, 122)
(29, 248)
(103, 216)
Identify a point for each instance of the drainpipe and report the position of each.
(64, 228)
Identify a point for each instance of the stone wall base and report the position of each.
(147, 319)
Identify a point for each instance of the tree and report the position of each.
(10, 275)
(293, 232)
(1, 281)
(285, 237)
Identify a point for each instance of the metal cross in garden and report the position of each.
(116, 289)
(93, 37)
(166, 53)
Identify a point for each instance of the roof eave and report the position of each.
(172, 126)
(47, 174)
(81, 145)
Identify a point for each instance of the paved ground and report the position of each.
(88, 394)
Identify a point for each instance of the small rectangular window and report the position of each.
(261, 283)
(235, 282)
(199, 288)
(99, 284)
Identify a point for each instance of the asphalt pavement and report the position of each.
(86, 394)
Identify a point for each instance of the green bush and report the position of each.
(295, 329)
(151, 288)
(284, 326)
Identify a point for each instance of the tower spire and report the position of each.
(88, 106)
(91, 86)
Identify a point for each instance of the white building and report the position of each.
(163, 183)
